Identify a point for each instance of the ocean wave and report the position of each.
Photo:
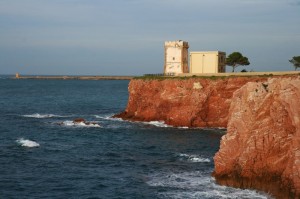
(108, 117)
(37, 115)
(197, 185)
(154, 123)
(80, 124)
(109, 122)
(193, 158)
(158, 124)
(27, 143)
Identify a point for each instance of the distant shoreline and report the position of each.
(156, 76)
(75, 77)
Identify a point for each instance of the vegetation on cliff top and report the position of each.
(236, 59)
(204, 77)
(296, 62)
(178, 77)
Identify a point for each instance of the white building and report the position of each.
(176, 57)
(207, 62)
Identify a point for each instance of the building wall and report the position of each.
(185, 58)
(176, 57)
(207, 62)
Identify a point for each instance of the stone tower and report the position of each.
(176, 57)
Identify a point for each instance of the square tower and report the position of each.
(176, 57)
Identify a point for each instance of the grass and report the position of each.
(146, 77)
(160, 78)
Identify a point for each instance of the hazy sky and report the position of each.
(126, 37)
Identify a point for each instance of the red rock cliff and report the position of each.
(262, 146)
(192, 102)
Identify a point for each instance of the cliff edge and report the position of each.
(261, 149)
(262, 146)
(191, 102)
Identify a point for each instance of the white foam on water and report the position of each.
(154, 123)
(37, 115)
(80, 124)
(193, 158)
(183, 127)
(158, 124)
(108, 117)
(27, 143)
(113, 123)
(197, 185)
(213, 194)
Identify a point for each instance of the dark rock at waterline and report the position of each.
(79, 120)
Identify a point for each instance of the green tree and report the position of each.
(236, 59)
(296, 62)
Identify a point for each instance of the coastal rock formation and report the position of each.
(79, 120)
(262, 146)
(261, 149)
(191, 102)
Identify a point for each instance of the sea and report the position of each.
(44, 154)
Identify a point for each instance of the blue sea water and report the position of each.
(43, 154)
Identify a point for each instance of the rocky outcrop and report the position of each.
(262, 146)
(191, 102)
(261, 149)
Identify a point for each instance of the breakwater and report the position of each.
(76, 77)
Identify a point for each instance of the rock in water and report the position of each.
(262, 146)
(79, 120)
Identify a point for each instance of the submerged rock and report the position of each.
(262, 146)
(83, 121)
(79, 122)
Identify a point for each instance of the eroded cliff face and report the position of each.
(192, 102)
(262, 146)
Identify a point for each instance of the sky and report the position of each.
(126, 37)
